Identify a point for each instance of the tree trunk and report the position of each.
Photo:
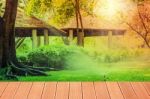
(77, 19)
(1, 40)
(9, 51)
(8, 58)
(82, 28)
(80, 34)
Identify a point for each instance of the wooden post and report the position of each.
(34, 38)
(38, 41)
(80, 38)
(46, 37)
(70, 37)
(109, 39)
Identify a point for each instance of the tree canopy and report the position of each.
(58, 11)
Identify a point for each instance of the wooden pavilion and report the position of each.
(33, 27)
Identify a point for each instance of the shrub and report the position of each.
(53, 56)
(114, 55)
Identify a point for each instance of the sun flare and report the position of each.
(109, 8)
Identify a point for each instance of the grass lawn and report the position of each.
(90, 65)
(120, 71)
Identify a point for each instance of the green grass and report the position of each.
(91, 63)
(120, 71)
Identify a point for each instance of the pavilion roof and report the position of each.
(95, 23)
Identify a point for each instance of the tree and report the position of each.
(8, 58)
(79, 20)
(1, 39)
(141, 22)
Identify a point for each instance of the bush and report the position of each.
(61, 56)
(53, 56)
(116, 55)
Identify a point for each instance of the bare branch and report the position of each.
(143, 23)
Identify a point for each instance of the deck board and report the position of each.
(127, 90)
(49, 90)
(114, 90)
(147, 86)
(3, 86)
(36, 90)
(140, 90)
(10, 90)
(101, 90)
(62, 90)
(74, 90)
(23, 90)
(88, 90)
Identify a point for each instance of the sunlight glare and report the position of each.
(109, 8)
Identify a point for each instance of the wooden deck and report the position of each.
(74, 90)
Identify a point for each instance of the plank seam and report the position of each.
(81, 90)
(68, 89)
(16, 90)
(145, 88)
(94, 90)
(107, 90)
(30, 90)
(121, 90)
(56, 90)
(133, 89)
(4, 89)
(43, 90)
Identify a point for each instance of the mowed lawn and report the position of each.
(132, 70)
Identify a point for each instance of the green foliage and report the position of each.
(64, 12)
(25, 47)
(2, 6)
(122, 71)
(88, 6)
(58, 12)
(2, 73)
(54, 56)
(87, 64)
(38, 7)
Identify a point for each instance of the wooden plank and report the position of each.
(75, 90)
(36, 90)
(3, 86)
(140, 90)
(114, 90)
(101, 90)
(62, 90)
(10, 90)
(49, 90)
(147, 86)
(88, 90)
(23, 90)
(127, 90)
